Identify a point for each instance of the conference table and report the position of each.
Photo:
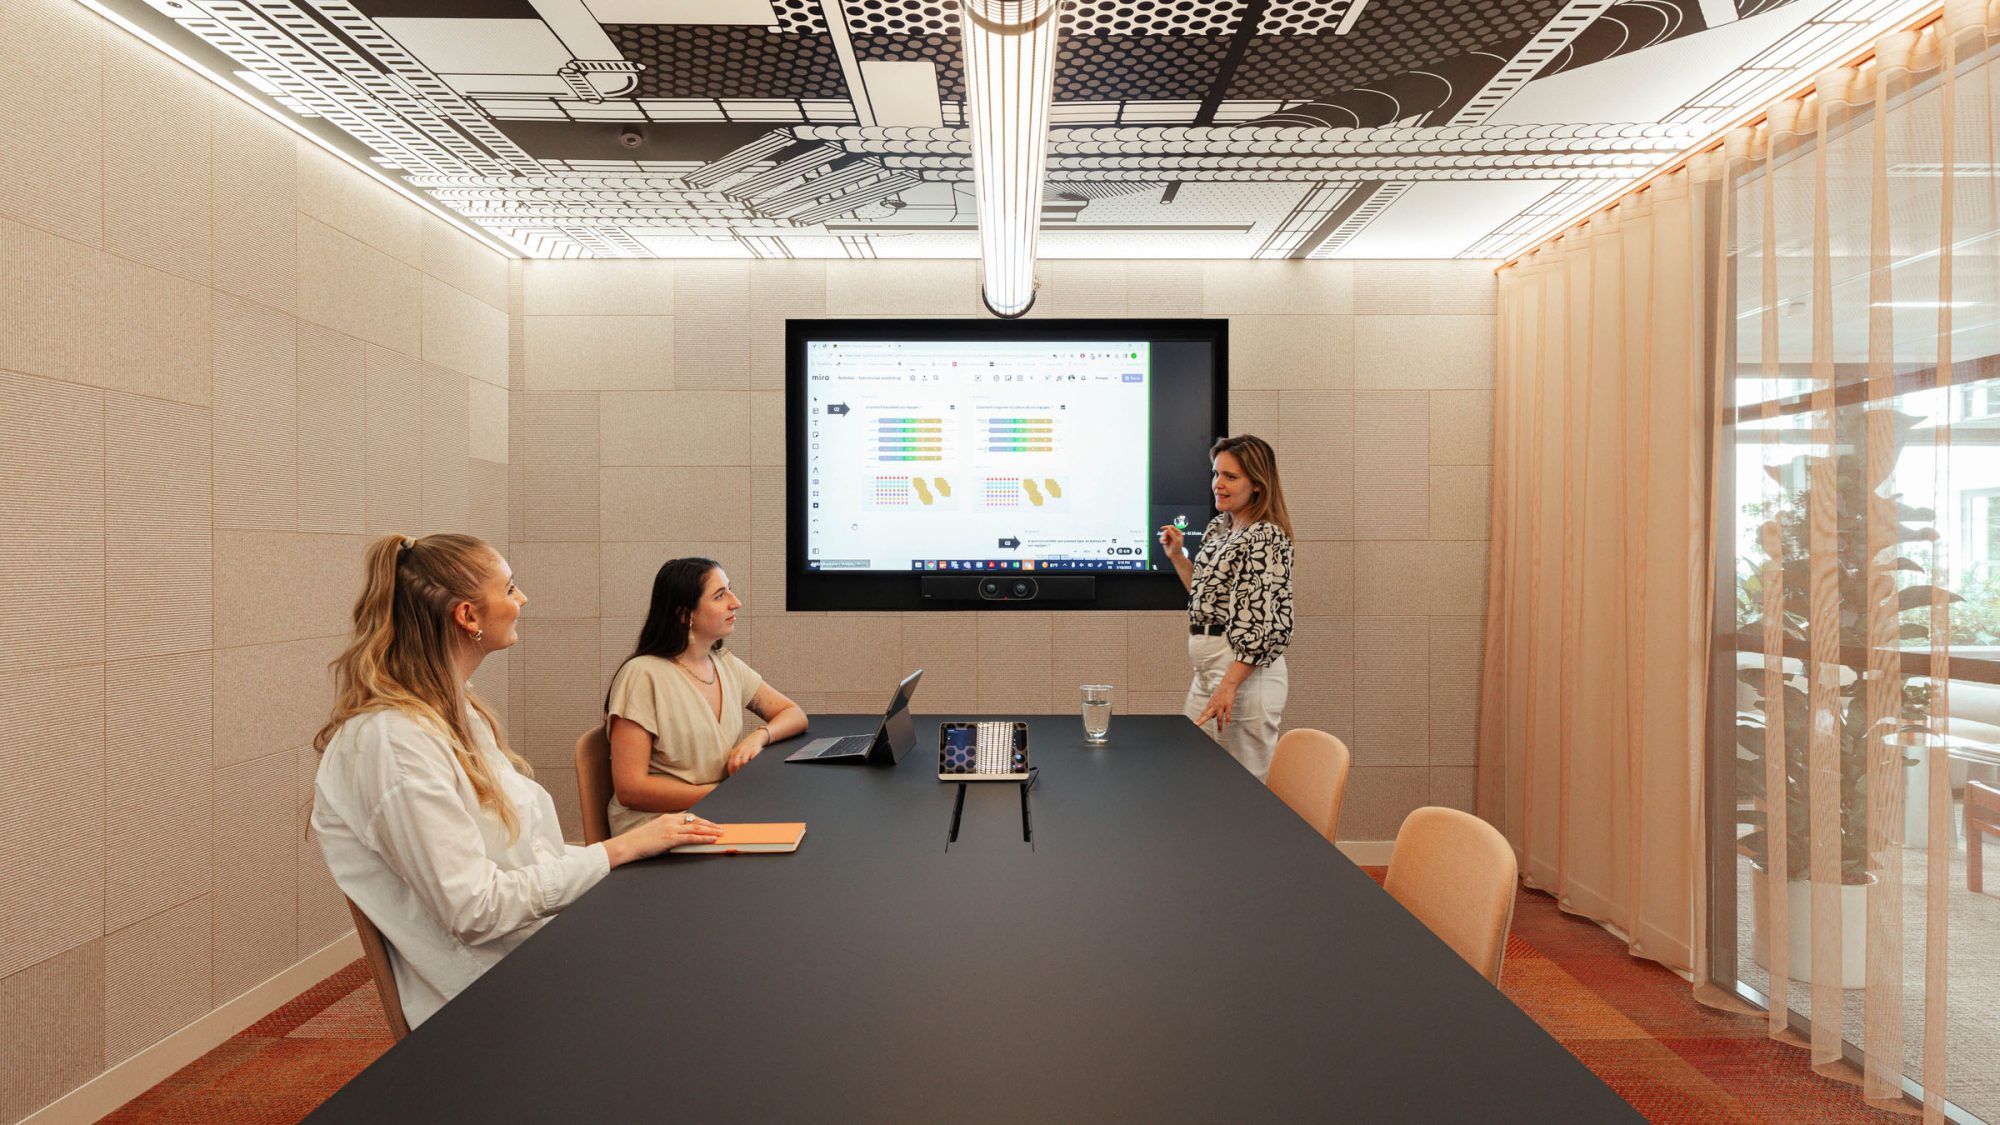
(1173, 944)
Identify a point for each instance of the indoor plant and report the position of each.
(1783, 537)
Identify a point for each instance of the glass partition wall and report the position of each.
(1856, 716)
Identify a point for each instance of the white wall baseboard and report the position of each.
(1367, 853)
(149, 1067)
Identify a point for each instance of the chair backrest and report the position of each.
(593, 784)
(1982, 801)
(1456, 872)
(379, 967)
(1309, 773)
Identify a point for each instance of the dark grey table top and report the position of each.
(1175, 945)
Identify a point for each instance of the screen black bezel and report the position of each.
(892, 591)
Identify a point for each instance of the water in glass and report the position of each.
(1096, 713)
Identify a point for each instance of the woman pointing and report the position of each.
(1239, 603)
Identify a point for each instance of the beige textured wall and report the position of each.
(225, 359)
(647, 422)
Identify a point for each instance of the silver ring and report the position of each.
(689, 819)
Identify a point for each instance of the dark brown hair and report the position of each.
(677, 591)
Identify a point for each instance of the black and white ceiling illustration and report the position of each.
(1181, 129)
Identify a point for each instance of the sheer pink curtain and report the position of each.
(1725, 454)
(1593, 696)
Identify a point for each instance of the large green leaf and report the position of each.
(1919, 597)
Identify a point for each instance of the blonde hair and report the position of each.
(402, 653)
(1260, 464)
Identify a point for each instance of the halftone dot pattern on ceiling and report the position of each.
(1089, 68)
(1080, 17)
(1387, 40)
(1302, 17)
(799, 17)
(1094, 68)
(902, 17)
(716, 61)
(1134, 17)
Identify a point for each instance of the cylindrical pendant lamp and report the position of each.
(1010, 67)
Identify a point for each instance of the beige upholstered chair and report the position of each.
(1455, 872)
(1309, 773)
(593, 784)
(379, 967)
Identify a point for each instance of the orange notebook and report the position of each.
(744, 838)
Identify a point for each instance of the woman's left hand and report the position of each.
(739, 756)
(1220, 705)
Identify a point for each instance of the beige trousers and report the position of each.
(1252, 733)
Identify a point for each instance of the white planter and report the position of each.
(1798, 906)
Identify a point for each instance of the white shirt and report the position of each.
(406, 840)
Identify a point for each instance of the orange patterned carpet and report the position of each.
(1631, 1021)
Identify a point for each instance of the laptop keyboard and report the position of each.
(852, 744)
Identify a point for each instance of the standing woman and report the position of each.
(427, 820)
(1239, 603)
(674, 713)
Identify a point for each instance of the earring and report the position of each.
(478, 635)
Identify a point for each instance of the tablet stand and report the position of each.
(1027, 816)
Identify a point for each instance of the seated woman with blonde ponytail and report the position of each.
(428, 821)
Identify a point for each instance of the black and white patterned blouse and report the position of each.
(1244, 582)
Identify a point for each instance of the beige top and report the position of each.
(689, 743)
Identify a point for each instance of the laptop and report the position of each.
(892, 739)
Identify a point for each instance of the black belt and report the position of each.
(1207, 630)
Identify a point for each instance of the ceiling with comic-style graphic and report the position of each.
(1181, 129)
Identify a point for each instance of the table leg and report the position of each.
(1975, 847)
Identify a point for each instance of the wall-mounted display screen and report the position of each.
(938, 464)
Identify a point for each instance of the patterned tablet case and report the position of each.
(977, 748)
(959, 752)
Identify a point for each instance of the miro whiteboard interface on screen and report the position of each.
(977, 456)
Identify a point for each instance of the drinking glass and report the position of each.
(1096, 713)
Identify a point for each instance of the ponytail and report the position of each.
(403, 652)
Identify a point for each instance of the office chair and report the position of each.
(1456, 873)
(1309, 773)
(593, 784)
(379, 967)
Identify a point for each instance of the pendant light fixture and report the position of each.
(1010, 67)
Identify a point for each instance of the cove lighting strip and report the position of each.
(485, 238)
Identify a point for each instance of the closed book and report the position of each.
(739, 838)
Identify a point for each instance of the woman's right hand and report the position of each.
(1172, 540)
(668, 830)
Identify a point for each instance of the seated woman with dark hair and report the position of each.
(675, 709)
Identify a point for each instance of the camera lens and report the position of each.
(989, 589)
(1023, 588)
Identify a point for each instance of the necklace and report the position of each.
(710, 682)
